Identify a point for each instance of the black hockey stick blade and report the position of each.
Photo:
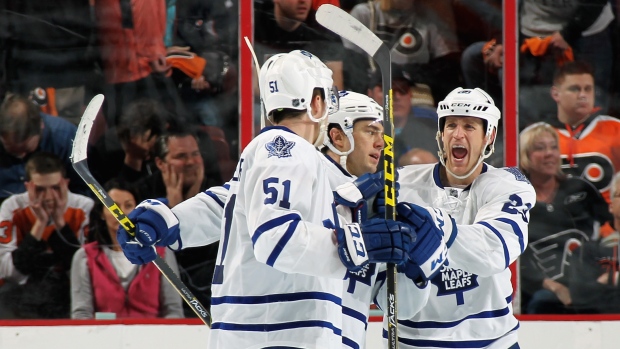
(349, 28)
(80, 164)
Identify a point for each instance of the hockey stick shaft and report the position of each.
(80, 164)
(349, 28)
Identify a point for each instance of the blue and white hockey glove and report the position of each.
(429, 252)
(363, 188)
(155, 225)
(381, 241)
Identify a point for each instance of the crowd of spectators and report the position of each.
(168, 71)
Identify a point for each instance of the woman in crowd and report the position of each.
(103, 280)
(568, 212)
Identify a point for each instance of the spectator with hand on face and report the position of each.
(42, 229)
(181, 175)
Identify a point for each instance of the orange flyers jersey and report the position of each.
(16, 220)
(593, 153)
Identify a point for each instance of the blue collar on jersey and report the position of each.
(338, 165)
(267, 128)
(437, 179)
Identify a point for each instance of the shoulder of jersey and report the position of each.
(14, 202)
(415, 169)
(505, 175)
(281, 144)
(80, 201)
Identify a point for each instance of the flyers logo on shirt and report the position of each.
(5, 232)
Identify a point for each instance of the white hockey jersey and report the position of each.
(368, 285)
(278, 278)
(470, 299)
(200, 221)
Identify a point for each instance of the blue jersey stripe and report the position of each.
(449, 344)
(501, 239)
(516, 229)
(354, 314)
(283, 241)
(275, 327)
(455, 232)
(215, 198)
(275, 298)
(270, 224)
(436, 324)
(350, 343)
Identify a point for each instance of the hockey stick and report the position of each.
(80, 164)
(349, 28)
(249, 44)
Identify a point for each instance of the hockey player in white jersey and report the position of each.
(483, 215)
(283, 255)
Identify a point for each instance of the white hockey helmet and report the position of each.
(469, 102)
(287, 80)
(353, 107)
(474, 103)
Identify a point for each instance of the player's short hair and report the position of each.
(141, 116)
(19, 117)
(527, 137)
(44, 163)
(278, 115)
(572, 68)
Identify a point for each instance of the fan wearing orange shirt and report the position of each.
(40, 230)
(589, 143)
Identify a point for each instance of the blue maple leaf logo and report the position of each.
(279, 147)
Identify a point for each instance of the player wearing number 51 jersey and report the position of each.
(470, 304)
(283, 254)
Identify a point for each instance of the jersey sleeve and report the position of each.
(286, 204)
(500, 230)
(200, 217)
(82, 303)
(8, 241)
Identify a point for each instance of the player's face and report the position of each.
(575, 97)
(48, 188)
(294, 9)
(368, 137)
(125, 201)
(463, 140)
(544, 155)
(184, 157)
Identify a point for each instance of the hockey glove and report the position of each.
(381, 241)
(155, 225)
(363, 188)
(135, 252)
(429, 252)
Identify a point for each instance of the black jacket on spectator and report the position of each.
(47, 44)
